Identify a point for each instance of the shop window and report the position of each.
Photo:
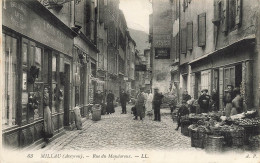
(202, 30)
(10, 81)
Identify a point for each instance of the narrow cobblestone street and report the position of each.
(120, 131)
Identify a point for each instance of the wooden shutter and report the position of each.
(183, 41)
(209, 81)
(79, 14)
(189, 35)
(173, 50)
(202, 29)
(238, 11)
(225, 15)
(177, 45)
(193, 85)
(221, 88)
(101, 11)
(217, 10)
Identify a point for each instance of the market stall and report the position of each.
(215, 132)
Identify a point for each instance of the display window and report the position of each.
(10, 80)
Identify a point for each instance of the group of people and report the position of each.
(101, 98)
(148, 104)
(233, 103)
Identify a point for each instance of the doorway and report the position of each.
(66, 94)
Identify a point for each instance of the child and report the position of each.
(181, 112)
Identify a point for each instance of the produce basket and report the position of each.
(254, 142)
(227, 137)
(239, 132)
(184, 129)
(238, 141)
(214, 143)
(216, 131)
(96, 112)
(198, 138)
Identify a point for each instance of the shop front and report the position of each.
(37, 55)
(232, 65)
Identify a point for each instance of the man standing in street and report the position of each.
(227, 99)
(157, 101)
(123, 100)
(204, 101)
(140, 105)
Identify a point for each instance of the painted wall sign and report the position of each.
(162, 40)
(25, 21)
(162, 53)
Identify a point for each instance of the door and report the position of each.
(66, 94)
(229, 76)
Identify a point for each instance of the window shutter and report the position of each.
(225, 15)
(79, 14)
(221, 88)
(101, 11)
(238, 11)
(209, 81)
(177, 45)
(217, 10)
(183, 41)
(202, 30)
(189, 35)
(173, 51)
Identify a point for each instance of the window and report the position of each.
(189, 35)
(231, 14)
(205, 80)
(10, 81)
(202, 29)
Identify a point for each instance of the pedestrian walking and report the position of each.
(48, 123)
(183, 110)
(123, 101)
(149, 105)
(227, 99)
(110, 102)
(157, 101)
(140, 102)
(185, 96)
(204, 101)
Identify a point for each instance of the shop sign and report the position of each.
(24, 20)
(162, 53)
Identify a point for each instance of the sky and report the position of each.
(137, 13)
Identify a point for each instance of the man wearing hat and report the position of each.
(157, 101)
(204, 101)
(140, 103)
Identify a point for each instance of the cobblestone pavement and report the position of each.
(120, 131)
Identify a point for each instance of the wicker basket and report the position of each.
(184, 129)
(214, 143)
(238, 141)
(216, 131)
(238, 133)
(197, 138)
(254, 142)
(227, 138)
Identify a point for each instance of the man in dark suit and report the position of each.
(157, 101)
(123, 100)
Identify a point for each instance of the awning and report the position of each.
(248, 38)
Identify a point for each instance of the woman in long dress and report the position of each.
(110, 102)
(48, 124)
(149, 105)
